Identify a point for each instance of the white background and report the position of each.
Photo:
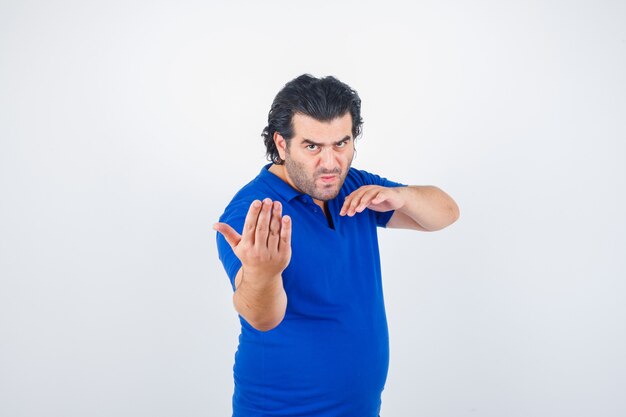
(127, 126)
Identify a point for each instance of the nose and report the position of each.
(328, 159)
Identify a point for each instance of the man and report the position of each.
(299, 244)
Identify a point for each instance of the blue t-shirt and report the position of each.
(330, 354)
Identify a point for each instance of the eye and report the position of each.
(311, 147)
(341, 144)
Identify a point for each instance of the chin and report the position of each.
(326, 196)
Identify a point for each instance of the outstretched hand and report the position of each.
(264, 247)
(373, 197)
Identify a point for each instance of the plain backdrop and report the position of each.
(127, 126)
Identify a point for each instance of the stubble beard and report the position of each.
(307, 184)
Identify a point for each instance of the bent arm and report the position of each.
(426, 208)
(418, 207)
(264, 249)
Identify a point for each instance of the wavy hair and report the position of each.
(323, 99)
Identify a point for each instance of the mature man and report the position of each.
(299, 244)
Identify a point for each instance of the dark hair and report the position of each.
(323, 99)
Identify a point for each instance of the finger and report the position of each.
(249, 226)
(274, 234)
(346, 203)
(285, 235)
(372, 197)
(263, 223)
(232, 237)
(355, 195)
(360, 199)
(381, 197)
(342, 212)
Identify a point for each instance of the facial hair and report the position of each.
(307, 184)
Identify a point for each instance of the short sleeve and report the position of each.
(372, 179)
(234, 216)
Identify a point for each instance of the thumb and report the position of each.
(232, 237)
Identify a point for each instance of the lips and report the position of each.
(328, 178)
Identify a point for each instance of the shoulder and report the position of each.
(239, 204)
(361, 176)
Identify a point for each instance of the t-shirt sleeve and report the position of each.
(235, 216)
(372, 179)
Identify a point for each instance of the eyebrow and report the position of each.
(311, 142)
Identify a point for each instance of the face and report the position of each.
(318, 157)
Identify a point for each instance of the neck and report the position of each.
(280, 172)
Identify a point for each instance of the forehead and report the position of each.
(306, 127)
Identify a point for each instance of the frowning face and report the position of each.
(318, 156)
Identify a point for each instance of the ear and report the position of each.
(281, 145)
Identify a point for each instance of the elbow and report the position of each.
(264, 313)
(449, 211)
(448, 216)
(455, 212)
(265, 318)
(266, 324)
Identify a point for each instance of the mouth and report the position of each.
(328, 179)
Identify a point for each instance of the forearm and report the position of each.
(425, 207)
(261, 302)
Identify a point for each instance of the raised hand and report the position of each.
(264, 247)
(374, 197)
